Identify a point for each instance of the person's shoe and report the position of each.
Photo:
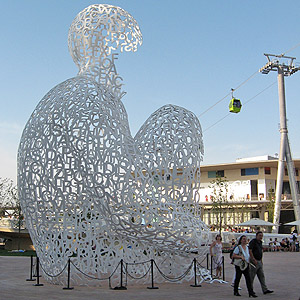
(236, 294)
(268, 292)
(253, 295)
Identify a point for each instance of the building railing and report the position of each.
(10, 223)
(252, 198)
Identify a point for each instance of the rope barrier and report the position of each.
(138, 278)
(175, 279)
(53, 276)
(198, 271)
(92, 277)
(139, 263)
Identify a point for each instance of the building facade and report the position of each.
(250, 191)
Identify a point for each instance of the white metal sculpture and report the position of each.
(87, 186)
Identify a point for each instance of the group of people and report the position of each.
(247, 260)
(286, 244)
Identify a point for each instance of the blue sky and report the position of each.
(193, 53)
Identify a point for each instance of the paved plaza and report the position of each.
(282, 271)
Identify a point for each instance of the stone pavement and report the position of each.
(282, 271)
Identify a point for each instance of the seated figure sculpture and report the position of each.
(87, 187)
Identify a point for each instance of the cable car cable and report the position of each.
(244, 104)
(214, 104)
(216, 122)
(244, 82)
(296, 46)
(260, 92)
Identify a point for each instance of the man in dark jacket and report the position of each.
(256, 254)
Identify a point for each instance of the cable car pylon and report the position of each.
(285, 151)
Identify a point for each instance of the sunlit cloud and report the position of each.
(8, 163)
(10, 133)
(10, 128)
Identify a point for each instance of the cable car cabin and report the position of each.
(235, 105)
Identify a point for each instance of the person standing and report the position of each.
(293, 238)
(256, 254)
(241, 252)
(216, 253)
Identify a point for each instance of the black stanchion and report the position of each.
(69, 274)
(152, 287)
(121, 287)
(38, 272)
(211, 265)
(126, 273)
(223, 268)
(34, 274)
(31, 269)
(207, 259)
(195, 274)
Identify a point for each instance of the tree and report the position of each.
(9, 200)
(8, 193)
(271, 204)
(219, 200)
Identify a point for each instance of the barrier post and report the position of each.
(211, 260)
(31, 269)
(69, 275)
(207, 263)
(195, 274)
(38, 272)
(121, 287)
(223, 268)
(34, 274)
(152, 287)
(126, 273)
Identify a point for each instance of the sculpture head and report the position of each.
(100, 30)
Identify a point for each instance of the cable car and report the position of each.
(235, 105)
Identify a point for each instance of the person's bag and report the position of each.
(231, 251)
(242, 264)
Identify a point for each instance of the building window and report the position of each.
(215, 174)
(286, 189)
(249, 171)
(267, 170)
(220, 173)
(286, 172)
